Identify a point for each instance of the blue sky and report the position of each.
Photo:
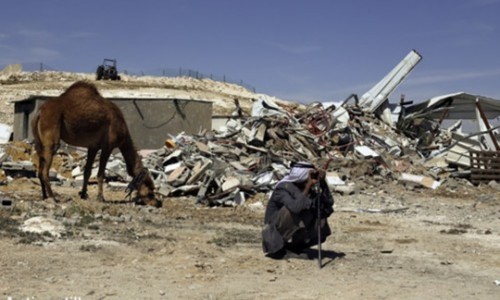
(298, 50)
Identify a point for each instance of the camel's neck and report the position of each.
(132, 159)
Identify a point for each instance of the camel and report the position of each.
(82, 117)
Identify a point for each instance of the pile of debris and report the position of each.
(359, 145)
(250, 154)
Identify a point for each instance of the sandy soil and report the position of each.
(442, 244)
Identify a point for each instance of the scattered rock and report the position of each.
(43, 225)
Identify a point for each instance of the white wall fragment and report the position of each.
(366, 151)
(5, 133)
(419, 179)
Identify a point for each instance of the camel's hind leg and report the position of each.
(91, 154)
(46, 145)
(46, 155)
(43, 181)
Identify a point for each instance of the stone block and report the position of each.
(230, 183)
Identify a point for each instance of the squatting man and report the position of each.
(291, 217)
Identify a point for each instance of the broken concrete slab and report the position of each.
(184, 190)
(203, 148)
(19, 169)
(77, 171)
(230, 183)
(257, 135)
(426, 181)
(366, 151)
(117, 186)
(171, 167)
(198, 170)
(179, 176)
(332, 178)
(115, 167)
(238, 166)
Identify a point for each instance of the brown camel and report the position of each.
(82, 117)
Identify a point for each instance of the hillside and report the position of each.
(20, 85)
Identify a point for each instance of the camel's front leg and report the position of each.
(105, 153)
(91, 154)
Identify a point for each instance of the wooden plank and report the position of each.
(483, 175)
(485, 155)
(486, 159)
(485, 166)
(487, 162)
(487, 176)
(489, 165)
(485, 170)
(494, 158)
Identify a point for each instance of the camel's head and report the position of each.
(145, 187)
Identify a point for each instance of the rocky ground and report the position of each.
(386, 244)
(391, 240)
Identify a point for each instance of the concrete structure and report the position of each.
(150, 120)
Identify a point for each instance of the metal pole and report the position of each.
(487, 123)
(322, 187)
(319, 226)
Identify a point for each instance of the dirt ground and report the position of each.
(419, 244)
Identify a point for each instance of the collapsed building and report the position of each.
(363, 140)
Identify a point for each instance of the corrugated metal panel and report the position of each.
(458, 105)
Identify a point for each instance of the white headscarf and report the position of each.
(298, 173)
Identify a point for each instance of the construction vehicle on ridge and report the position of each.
(107, 71)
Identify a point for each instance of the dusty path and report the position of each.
(439, 247)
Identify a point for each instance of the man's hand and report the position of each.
(312, 179)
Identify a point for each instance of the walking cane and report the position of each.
(321, 190)
(318, 203)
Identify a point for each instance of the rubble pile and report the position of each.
(358, 145)
(248, 155)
